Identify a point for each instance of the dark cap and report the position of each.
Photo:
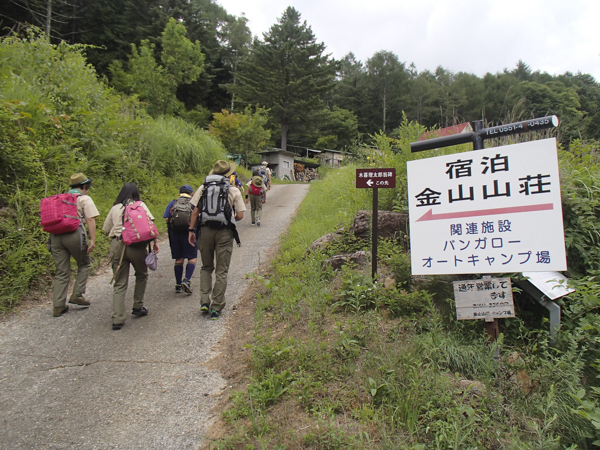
(186, 189)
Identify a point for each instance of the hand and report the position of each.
(91, 246)
(192, 238)
(156, 249)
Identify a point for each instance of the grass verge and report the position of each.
(337, 361)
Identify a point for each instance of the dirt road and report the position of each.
(72, 382)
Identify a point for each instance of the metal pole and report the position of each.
(374, 234)
(478, 140)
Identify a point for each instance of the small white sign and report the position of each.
(496, 210)
(488, 298)
(552, 284)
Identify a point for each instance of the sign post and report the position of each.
(374, 179)
(495, 211)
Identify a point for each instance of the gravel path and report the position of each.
(72, 382)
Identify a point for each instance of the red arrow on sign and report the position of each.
(485, 212)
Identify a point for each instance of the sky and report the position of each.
(473, 36)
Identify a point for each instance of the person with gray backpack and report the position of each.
(178, 215)
(217, 208)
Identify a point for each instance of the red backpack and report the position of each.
(254, 190)
(59, 213)
(138, 229)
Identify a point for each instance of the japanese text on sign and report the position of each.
(376, 178)
(482, 212)
(484, 299)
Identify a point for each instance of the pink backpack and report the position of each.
(59, 213)
(138, 229)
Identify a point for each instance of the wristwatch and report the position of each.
(191, 229)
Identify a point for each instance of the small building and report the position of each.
(281, 163)
(332, 158)
(448, 131)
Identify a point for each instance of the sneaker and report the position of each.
(117, 326)
(258, 223)
(140, 312)
(204, 307)
(185, 284)
(253, 223)
(79, 299)
(178, 289)
(214, 315)
(57, 312)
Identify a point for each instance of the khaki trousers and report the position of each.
(63, 247)
(215, 251)
(135, 256)
(256, 207)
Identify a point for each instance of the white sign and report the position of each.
(552, 284)
(496, 210)
(488, 298)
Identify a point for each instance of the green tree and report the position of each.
(287, 73)
(239, 38)
(155, 84)
(387, 81)
(350, 89)
(241, 133)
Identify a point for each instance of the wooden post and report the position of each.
(374, 234)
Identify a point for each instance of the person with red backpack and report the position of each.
(178, 215)
(130, 227)
(256, 189)
(68, 239)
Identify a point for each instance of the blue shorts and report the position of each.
(181, 248)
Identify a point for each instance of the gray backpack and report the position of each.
(181, 213)
(215, 211)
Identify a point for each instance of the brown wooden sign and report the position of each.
(376, 178)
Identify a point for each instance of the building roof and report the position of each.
(448, 131)
(310, 165)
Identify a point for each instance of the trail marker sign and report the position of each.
(376, 178)
(496, 210)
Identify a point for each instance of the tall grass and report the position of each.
(395, 371)
(57, 118)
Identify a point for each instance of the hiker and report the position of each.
(177, 215)
(268, 173)
(123, 255)
(216, 232)
(256, 188)
(263, 174)
(74, 244)
(234, 179)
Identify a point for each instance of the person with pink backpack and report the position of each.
(130, 226)
(63, 216)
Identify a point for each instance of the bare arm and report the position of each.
(91, 223)
(193, 220)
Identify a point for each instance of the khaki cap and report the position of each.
(78, 178)
(223, 168)
(257, 181)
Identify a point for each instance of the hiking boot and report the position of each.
(185, 284)
(140, 312)
(204, 307)
(214, 315)
(79, 299)
(178, 289)
(57, 312)
(117, 326)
